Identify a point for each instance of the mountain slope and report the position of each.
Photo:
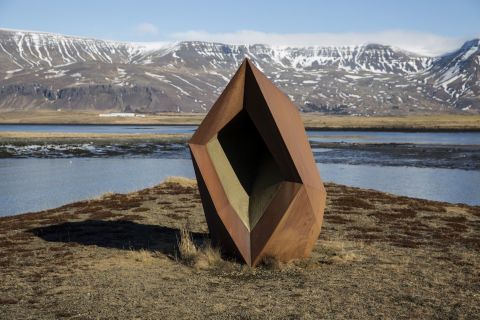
(456, 76)
(42, 70)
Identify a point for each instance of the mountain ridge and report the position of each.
(44, 70)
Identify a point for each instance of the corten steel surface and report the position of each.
(260, 188)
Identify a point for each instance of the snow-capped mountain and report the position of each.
(455, 77)
(42, 70)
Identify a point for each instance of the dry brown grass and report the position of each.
(209, 257)
(272, 263)
(104, 196)
(187, 249)
(142, 255)
(8, 301)
(341, 251)
(75, 137)
(313, 120)
(413, 122)
(200, 257)
(91, 117)
(353, 202)
(386, 255)
(65, 135)
(181, 181)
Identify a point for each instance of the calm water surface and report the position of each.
(454, 138)
(37, 184)
(32, 184)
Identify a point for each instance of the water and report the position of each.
(434, 171)
(449, 185)
(37, 184)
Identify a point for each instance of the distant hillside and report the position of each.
(49, 71)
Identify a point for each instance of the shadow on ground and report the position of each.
(126, 235)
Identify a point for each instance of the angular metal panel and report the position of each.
(262, 193)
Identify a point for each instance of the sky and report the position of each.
(422, 26)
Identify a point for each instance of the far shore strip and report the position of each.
(446, 122)
(6, 136)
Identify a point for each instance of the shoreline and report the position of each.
(393, 129)
(193, 183)
(98, 199)
(66, 145)
(413, 123)
(23, 137)
(311, 128)
(117, 256)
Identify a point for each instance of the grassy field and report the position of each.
(22, 137)
(55, 117)
(128, 256)
(408, 123)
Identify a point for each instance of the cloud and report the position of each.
(417, 42)
(146, 28)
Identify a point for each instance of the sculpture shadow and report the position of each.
(120, 234)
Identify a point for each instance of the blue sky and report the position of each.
(424, 26)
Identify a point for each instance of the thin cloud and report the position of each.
(417, 42)
(147, 29)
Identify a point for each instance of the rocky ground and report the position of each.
(446, 156)
(118, 257)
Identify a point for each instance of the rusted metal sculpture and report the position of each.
(260, 188)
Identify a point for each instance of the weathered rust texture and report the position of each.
(260, 187)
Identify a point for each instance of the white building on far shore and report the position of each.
(121, 114)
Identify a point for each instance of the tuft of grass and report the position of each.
(340, 252)
(187, 249)
(142, 255)
(346, 256)
(103, 196)
(182, 181)
(272, 263)
(209, 257)
(202, 258)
